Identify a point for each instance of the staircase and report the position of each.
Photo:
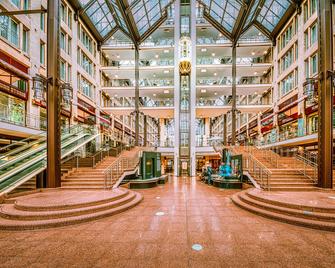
(56, 208)
(276, 173)
(293, 208)
(94, 178)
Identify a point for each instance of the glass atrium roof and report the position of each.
(138, 18)
(230, 14)
(133, 17)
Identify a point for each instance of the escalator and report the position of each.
(23, 162)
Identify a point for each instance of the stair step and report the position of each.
(7, 224)
(287, 211)
(316, 224)
(10, 212)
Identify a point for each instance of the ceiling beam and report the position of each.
(22, 12)
(129, 20)
(240, 23)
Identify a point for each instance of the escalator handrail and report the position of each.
(32, 161)
(32, 137)
(75, 130)
(28, 176)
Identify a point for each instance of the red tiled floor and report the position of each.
(194, 213)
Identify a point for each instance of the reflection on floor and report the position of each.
(183, 223)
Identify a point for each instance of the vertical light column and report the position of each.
(161, 131)
(137, 96)
(53, 98)
(233, 93)
(325, 137)
(176, 86)
(193, 91)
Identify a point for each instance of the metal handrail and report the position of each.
(117, 168)
(308, 165)
(259, 170)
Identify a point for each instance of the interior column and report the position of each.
(53, 98)
(233, 108)
(325, 137)
(137, 96)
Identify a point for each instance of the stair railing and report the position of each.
(117, 168)
(307, 167)
(258, 170)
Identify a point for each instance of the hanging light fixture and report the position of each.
(39, 88)
(67, 94)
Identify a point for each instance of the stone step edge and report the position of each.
(284, 218)
(307, 214)
(69, 206)
(9, 212)
(288, 205)
(28, 225)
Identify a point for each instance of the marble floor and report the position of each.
(161, 231)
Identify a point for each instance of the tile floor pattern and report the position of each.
(194, 213)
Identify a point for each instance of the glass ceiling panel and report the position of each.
(272, 12)
(224, 12)
(147, 12)
(101, 16)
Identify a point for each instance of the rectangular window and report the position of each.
(313, 5)
(25, 40)
(306, 12)
(9, 29)
(62, 70)
(306, 40)
(42, 21)
(62, 41)
(69, 46)
(287, 84)
(86, 63)
(86, 87)
(314, 34)
(69, 73)
(314, 64)
(69, 19)
(42, 53)
(306, 68)
(63, 12)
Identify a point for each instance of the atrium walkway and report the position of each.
(194, 213)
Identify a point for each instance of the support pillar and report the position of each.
(53, 98)
(225, 129)
(325, 137)
(145, 130)
(193, 96)
(176, 87)
(233, 108)
(137, 96)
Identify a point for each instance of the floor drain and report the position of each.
(159, 213)
(197, 247)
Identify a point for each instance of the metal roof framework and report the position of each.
(234, 17)
(137, 19)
